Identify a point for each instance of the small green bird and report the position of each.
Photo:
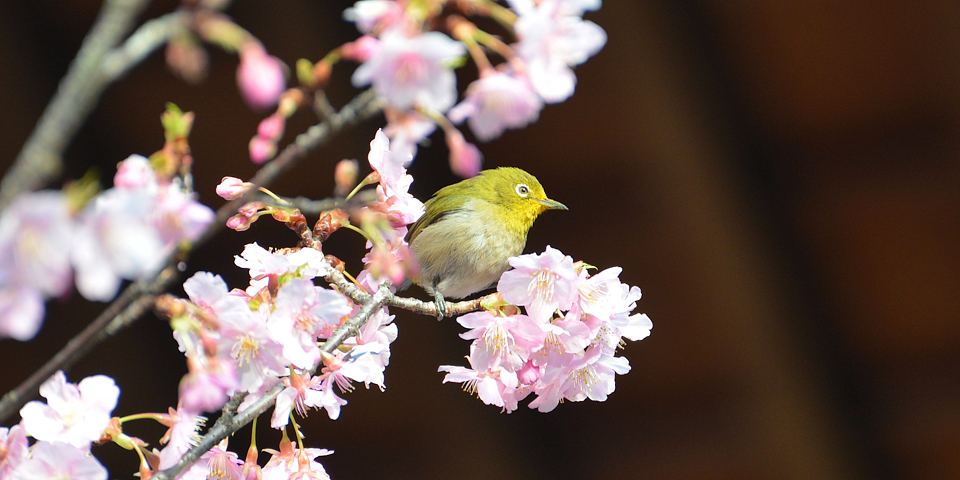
(471, 228)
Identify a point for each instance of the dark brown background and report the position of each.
(780, 178)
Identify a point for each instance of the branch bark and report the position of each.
(40, 160)
(129, 305)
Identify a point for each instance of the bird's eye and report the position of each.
(522, 190)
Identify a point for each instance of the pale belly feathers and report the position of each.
(470, 264)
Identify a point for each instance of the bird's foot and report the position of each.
(441, 305)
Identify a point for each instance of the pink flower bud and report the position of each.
(272, 127)
(231, 187)
(361, 49)
(251, 209)
(239, 222)
(134, 173)
(262, 149)
(345, 176)
(260, 77)
(465, 157)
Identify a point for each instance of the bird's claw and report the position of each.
(441, 305)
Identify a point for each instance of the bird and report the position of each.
(470, 229)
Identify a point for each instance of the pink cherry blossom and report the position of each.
(406, 130)
(36, 236)
(135, 173)
(380, 330)
(300, 314)
(391, 169)
(217, 463)
(208, 385)
(552, 41)
(127, 233)
(496, 345)
(75, 414)
(286, 463)
(493, 387)
(36, 232)
(178, 216)
(260, 77)
(59, 460)
(542, 283)
(14, 449)
(373, 15)
(271, 128)
(245, 340)
(21, 312)
(182, 434)
(300, 393)
(265, 265)
(416, 71)
(393, 191)
(496, 102)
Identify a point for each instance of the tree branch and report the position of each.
(40, 159)
(152, 35)
(355, 293)
(229, 421)
(129, 306)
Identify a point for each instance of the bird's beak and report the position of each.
(552, 204)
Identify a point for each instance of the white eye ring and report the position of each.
(522, 189)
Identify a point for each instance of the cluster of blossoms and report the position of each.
(125, 232)
(268, 336)
(75, 417)
(563, 348)
(410, 64)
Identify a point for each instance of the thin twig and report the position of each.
(360, 108)
(355, 293)
(309, 206)
(229, 422)
(40, 160)
(150, 36)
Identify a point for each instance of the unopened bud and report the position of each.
(361, 49)
(261, 149)
(272, 127)
(345, 176)
(260, 77)
(232, 187)
(465, 157)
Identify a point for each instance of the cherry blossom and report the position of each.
(415, 71)
(75, 414)
(13, 449)
(217, 463)
(301, 313)
(552, 41)
(496, 102)
(59, 460)
(266, 266)
(36, 234)
(541, 282)
(286, 463)
(181, 435)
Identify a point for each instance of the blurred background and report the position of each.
(781, 179)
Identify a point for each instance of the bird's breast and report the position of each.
(465, 252)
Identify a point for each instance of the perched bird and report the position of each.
(471, 228)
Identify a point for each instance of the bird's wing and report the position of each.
(435, 210)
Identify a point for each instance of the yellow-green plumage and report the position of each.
(471, 228)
